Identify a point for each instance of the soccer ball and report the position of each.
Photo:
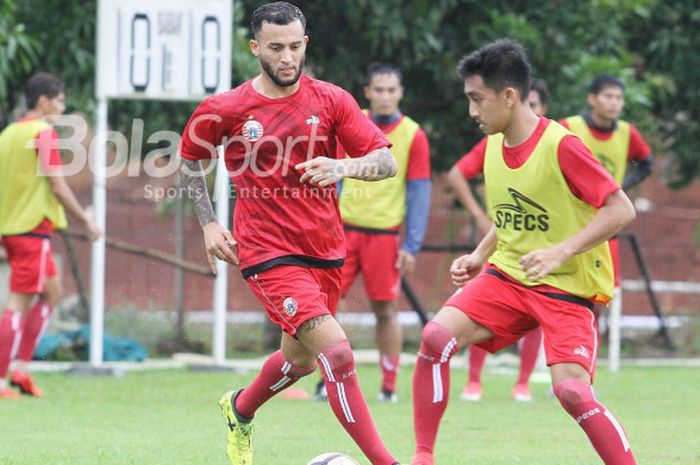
(332, 458)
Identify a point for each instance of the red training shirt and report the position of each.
(277, 219)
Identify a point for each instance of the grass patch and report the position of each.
(171, 418)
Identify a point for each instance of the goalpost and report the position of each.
(179, 50)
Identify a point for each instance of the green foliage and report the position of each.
(652, 45)
(669, 42)
(18, 53)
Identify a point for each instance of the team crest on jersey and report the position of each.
(290, 306)
(252, 130)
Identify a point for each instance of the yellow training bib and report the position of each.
(26, 197)
(381, 204)
(533, 208)
(611, 153)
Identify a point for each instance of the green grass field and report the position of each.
(171, 418)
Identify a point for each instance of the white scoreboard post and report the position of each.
(154, 50)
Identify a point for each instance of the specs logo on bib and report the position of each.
(522, 214)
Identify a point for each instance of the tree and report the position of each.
(668, 41)
(18, 55)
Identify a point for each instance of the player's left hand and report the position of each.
(321, 171)
(405, 262)
(539, 263)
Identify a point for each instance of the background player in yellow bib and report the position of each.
(373, 214)
(617, 144)
(546, 256)
(33, 194)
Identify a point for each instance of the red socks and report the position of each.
(431, 383)
(33, 327)
(9, 337)
(338, 368)
(390, 369)
(477, 357)
(529, 351)
(276, 375)
(603, 430)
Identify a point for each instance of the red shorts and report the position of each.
(615, 254)
(292, 295)
(31, 262)
(510, 310)
(373, 255)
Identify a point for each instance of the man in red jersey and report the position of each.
(33, 195)
(466, 169)
(547, 261)
(279, 131)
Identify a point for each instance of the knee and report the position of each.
(297, 371)
(302, 365)
(337, 359)
(573, 392)
(437, 342)
(384, 311)
(53, 291)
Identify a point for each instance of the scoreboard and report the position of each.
(169, 50)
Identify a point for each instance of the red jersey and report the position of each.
(585, 176)
(277, 219)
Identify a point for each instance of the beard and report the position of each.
(276, 79)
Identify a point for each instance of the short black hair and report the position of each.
(280, 13)
(42, 83)
(539, 86)
(500, 64)
(383, 68)
(603, 81)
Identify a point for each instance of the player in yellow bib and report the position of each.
(462, 173)
(546, 258)
(373, 214)
(617, 144)
(33, 194)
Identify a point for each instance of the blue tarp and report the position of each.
(115, 349)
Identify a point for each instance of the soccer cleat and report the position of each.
(6, 393)
(521, 393)
(423, 458)
(25, 383)
(471, 392)
(321, 395)
(239, 449)
(387, 396)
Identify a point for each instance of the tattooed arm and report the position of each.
(322, 171)
(218, 240)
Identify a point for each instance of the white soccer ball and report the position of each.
(332, 458)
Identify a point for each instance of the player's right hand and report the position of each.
(220, 244)
(93, 231)
(465, 268)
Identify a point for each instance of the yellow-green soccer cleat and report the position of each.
(239, 448)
